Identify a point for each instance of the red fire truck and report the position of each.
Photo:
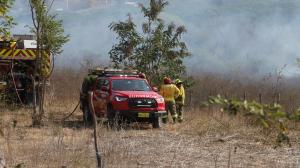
(125, 95)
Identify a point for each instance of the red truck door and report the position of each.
(101, 96)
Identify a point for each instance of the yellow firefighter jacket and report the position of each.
(169, 91)
(181, 97)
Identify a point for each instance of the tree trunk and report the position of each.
(42, 97)
(35, 116)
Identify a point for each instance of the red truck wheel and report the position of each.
(113, 118)
(156, 122)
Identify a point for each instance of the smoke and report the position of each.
(246, 36)
(251, 37)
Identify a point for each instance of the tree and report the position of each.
(157, 51)
(6, 21)
(50, 37)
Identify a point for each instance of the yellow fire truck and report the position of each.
(17, 64)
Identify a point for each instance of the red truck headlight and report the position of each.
(160, 103)
(120, 98)
(160, 100)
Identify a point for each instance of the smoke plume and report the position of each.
(250, 37)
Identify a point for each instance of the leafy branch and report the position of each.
(267, 115)
(6, 21)
(157, 50)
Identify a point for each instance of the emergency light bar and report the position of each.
(114, 72)
(119, 72)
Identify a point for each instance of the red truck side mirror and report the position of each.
(155, 89)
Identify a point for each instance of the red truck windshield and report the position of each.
(130, 85)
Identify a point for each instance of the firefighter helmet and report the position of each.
(177, 82)
(95, 71)
(142, 75)
(167, 80)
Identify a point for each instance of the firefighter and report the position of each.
(87, 84)
(169, 92)
(142, 75)
(180, 99)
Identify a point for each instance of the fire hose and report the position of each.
(13, 78)
(67, 116)
(70, 114)
(15, 86)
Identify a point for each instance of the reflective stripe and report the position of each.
(2, 51)
(164, 116)
(27, 54)
(17, 51)
(31, 53)
(13, 44)
(7, 54)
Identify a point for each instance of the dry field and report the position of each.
(205, 139)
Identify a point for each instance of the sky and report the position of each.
(251, 37)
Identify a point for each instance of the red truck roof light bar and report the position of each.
(114, 72)
(119, 72)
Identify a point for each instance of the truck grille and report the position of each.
(142, 103)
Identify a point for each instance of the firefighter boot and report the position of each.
(164, 120)
(175, 120)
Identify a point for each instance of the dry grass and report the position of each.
(205, 139)
(269, 87)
